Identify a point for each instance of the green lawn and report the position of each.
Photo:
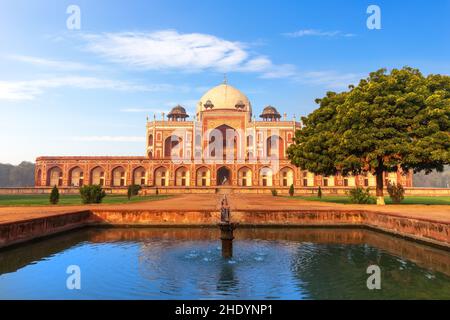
(43, 199)
(407, 200)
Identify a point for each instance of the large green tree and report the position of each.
(388, 121)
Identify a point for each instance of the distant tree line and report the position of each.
(433, 180)
(21, 175)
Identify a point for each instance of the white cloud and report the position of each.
(170, 50)
(187, 104)
(317, 33)
(329, 79)
(108, 139)
(53, 64)
(30, 89)
(282, 71)
(143, 110)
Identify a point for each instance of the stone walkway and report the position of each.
(196, 202)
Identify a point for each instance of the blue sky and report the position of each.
(88, 91)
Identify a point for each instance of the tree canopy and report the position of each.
(388, 121)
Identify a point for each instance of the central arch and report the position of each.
(223, 143)
(275, 147)
(223, 176)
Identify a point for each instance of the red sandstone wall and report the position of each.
(428, 231)
(21, 231)
(424, 230)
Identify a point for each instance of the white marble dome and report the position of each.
(224, 97)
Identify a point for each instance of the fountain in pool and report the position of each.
(226, 228)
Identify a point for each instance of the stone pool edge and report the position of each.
(428, 231)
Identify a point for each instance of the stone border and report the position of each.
(431, 232)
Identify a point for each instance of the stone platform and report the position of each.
(429, 224)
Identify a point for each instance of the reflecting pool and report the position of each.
(149, 263)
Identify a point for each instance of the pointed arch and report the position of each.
(140, 176)
(266, 177)
(55, 176)
(161, 177)
(286, 177)
(173, 147)
(224, 143)
(203, 177)
(76, 177)
(97, 176)
(275, 147)
(38, 179)
(118, 177)
(223, 176)
(245, 177)
(182, 177)
(150, 140)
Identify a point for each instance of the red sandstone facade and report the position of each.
(223, 145)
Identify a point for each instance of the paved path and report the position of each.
(193, 202)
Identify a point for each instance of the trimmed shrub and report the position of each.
(291, 190)
(396, 192)
(133, 190)
(92, 194)
(54, 195)
(274, 192)
(361, 196)
(319, 192)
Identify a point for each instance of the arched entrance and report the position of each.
(118, 177)
(245, 177)
(223, 143)
(275, 147)
(98, 176)
(76, 177)
(139, 176)
(223, 176)
(203, 177)
(55, 177)
(265, 177)
(161, 177)
(182, 177)
(286, 177)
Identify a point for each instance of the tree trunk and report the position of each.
(379, 193)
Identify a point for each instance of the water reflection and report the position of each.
(140, 263)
